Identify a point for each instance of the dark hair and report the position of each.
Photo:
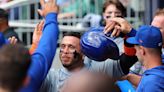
(75, 34)
(159, 12)
(118, 5)
(3, 14)
(14, 63)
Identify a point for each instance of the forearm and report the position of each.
(43, 56)
(33, 48)
(134, 79)
(128, 58)
(48, 42)
(47, 46)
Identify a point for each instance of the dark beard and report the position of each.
(75, 62)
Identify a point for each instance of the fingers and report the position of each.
(40, 12)
(42, 23)
(42, 3)
(40, 26)
(114, 28)
(38, 32)
(109, 23)
(55, 2)
(125, 25)
(49, 7)
(52, 2)
(109, 27)
(118, 28)
(36, 28)
(12, 40)
(116, 32)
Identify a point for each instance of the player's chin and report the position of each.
(66, 62)
(66, 65)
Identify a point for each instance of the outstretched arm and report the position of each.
(43, 56)
(133, 78)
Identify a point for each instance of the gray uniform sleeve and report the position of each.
(109, 67)
(49, 84)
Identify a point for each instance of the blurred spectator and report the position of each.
(4, 26)
(113, 8)
(91, 20)
(110, 9)
(88, 10)
(86, 81)
(78, 8)
(14, 63)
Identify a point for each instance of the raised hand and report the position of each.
(12, 40)
(36, 36)
(37, 33)
(48, 7)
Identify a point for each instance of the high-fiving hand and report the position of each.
(48, 7)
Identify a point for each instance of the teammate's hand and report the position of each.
(48, 7)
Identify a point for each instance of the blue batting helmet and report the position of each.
(97, 46)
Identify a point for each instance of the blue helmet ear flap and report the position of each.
(97, 46)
